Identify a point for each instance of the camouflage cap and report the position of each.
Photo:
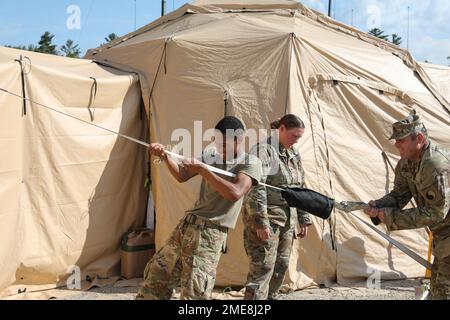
(406, 127)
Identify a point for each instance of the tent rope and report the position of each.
(22, 79)
(93, 96)
(404, 249)
(142, 143)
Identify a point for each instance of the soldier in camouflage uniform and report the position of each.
(191, 255)
(422, 173)
(269, 222)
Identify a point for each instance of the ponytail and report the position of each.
(275, 125)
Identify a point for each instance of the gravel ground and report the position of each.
(390, 290)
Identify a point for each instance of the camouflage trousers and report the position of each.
(440, 279)
(269, 261)
(190, 259)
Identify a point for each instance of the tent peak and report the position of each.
(206, 7)
(248, 4)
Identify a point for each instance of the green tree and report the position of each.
(379, 34)
(71, 50)
(448, 58)
(396, 39)
(30, 47)
(111, 37)
(46, 45)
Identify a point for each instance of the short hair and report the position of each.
(231, 125)
(421, 129)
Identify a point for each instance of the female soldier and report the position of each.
(269, 222)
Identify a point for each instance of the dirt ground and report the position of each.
(117, 289)
(390, 290)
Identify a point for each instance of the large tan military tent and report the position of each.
(68, 191)
(258, 60)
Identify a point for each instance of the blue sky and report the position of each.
(22, 22)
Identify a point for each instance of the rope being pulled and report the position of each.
(344, 206)
(124, 136)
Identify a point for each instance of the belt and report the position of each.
(193, 219)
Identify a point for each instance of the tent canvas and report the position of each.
(440, 75)
(258, 60)
(68, 191)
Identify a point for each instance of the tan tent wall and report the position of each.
(276, 58)
(68, 190)
(10, 171)
(440, 75)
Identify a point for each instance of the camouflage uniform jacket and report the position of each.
(427, 181)
(281, 168)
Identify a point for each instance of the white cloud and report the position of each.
(433, 50)
(429, 22)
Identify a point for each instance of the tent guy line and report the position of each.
(397, 244)
(142, 143)
(341, 206)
